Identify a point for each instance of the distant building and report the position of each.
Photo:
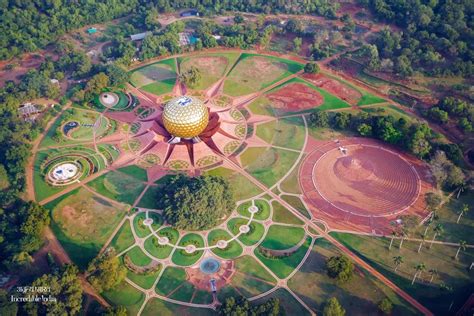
(190, 12)
(139, 36)
(54, 81)
(29, 111)
(186, 39)
(91, 30)
(217, 37)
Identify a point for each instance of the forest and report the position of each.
(436, 37)
(31, 25)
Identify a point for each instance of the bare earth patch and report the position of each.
(295, 97)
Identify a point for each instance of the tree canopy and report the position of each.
(105, 272)
(340, 268)
(195, 203)
(241, 307)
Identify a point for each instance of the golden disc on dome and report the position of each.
(185, 117)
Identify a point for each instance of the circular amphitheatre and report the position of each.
(360, 179)
(109, 99)
(64, 173)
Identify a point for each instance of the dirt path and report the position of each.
(60, 254)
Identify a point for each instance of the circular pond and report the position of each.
(209, 266)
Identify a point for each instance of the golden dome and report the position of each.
(185, 117)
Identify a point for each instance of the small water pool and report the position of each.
(69, 126)
(209, 266)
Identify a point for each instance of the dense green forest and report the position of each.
(29, 25)
(436, 36)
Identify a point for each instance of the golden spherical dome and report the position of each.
(185, 117)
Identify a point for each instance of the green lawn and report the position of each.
(360, 295)
(251, 278)
(181, 257)
(297, 204)
(118, 186)
(170, 309)
(262, 106)
(136, 172)
(255, 72)
(269, 166)
(263, 209)
(282, 237)
(252, 237)
(83, 222)
(124, 238)
(453, 273)
(286, 132)
(233, 248)
(282, 267)
(170, 279)
(288, 303)
(282, 215)
(125, 295)
(244, 189)
(138, 257)
(145, 280)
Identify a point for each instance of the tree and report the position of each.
(117, 75)
(386, 306)
(311, 68)
(394, 234)
(433, 273)
(240, 307)
(196, 203)
(464, 210)
(341, 120)
(97, 83)
(438, 230)
(397, 260)
(238, 19)
(297, 42)
(364, 129)
(433, 201)
(340, 268)
(333, 308)
(191, 77)
(319, 119)
(423, 236)
(66, 287)
(105, 272)
(7, 307)
(438, 115)
(403, 66)
(462, 245)
(418, 269)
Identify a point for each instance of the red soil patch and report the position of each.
(215, 65)
(364, 189)
(295, 97)
(202, 281)
(335, 87)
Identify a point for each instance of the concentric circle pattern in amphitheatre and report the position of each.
(361, 179)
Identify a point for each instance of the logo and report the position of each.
(184, 101)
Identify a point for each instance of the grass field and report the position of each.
(233, 249)
(360, 295)
(138, 257)
(212, 66)
(282, 267)
(262, 106)
(287, 132)
(453, 273)
(288, 303)
(282, 215)
(181, 257)
(331, 102)
(170, 309)
(268, 165)
(246, 189)
(282, 237)
(118, 186)
(170, 279)
(291, 184)
(255, 72)
(125, 295)
(146, 280)
(83, 222)
(251, 278)
(136, 172)
(158, 78)
(263, 209)
(297, 204)
(124, 238)
(252, 237)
